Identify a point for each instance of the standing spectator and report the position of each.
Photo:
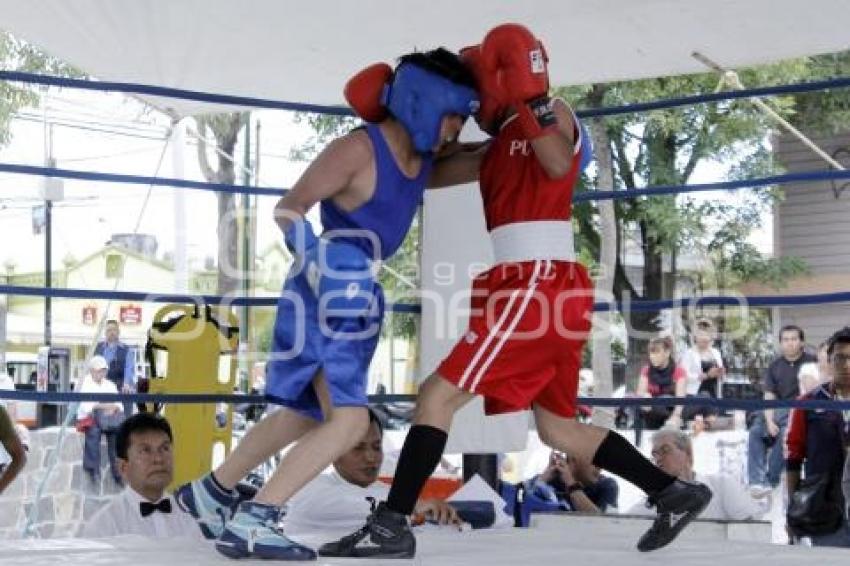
(146, 462)
(14, 447)
(705, 370)
(816, 445)
(97, 419)
(673, 452)
(121, 361)
(662, 377)
(812, 374)
(767, 432)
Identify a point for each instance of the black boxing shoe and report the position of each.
(676, 505)
(386, 534)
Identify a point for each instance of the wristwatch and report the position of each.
(572, 488)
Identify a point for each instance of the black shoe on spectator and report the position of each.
(676, 505)
(385, 535)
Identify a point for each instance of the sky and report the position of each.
(112, 133)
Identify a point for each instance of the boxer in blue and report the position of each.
(369, 184)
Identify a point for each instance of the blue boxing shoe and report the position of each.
(254, 533)
(209, 504)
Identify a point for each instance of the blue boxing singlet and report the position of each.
(386, 217)
(301, 344)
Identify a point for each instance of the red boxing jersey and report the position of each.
(516, 188)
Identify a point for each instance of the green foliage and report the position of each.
(401, 282)
(16, 55)
(325, 128)
(664, 147)
(825, 113)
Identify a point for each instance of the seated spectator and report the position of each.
(815, 445)
(662, 377)
(14, 448)
(673, 452)
(570, 484)
(341, 500)
(120, 360)
(146, 462)
(96, 419)
(705, 371)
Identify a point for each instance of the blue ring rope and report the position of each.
(137, 180)
(135, 296)
(149, 90)
(136, 88)
(660, 190)
(795, 88)
(816, 176)
(196, 398)
(636, 306)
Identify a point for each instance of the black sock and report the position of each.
(420, 455)
(616, 455)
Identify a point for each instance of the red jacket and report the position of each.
(816, 437)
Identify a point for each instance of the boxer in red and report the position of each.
(531, 311)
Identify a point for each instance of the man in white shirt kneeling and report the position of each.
(340, 500)
(146, 462)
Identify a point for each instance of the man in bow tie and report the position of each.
(146, 462)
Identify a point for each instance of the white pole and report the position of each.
(181, 262)
(731, 78)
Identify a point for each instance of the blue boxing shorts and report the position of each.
(303, 344)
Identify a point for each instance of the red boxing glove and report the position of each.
(363, 92)
(491, 109)
(519, 61)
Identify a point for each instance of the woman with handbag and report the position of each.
(817, 446)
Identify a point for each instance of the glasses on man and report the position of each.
(661, 451)
(840, 359)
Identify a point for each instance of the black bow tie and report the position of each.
(146, 508)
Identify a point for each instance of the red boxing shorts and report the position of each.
(527, 327)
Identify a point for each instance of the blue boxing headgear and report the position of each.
(419, 99)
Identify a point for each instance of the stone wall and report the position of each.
(67, 498)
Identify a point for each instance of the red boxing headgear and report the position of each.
(492, 109)
(363, 91)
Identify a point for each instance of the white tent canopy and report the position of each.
(304, 51)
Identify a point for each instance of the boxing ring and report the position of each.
(574, 539)
(577, 538)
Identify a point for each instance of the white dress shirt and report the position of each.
(730, 502)
(330, 503)
(122, 516)
(90, 386)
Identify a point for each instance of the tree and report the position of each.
(225, 130)
(665, 147)
(603, 378)
(18, 55)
